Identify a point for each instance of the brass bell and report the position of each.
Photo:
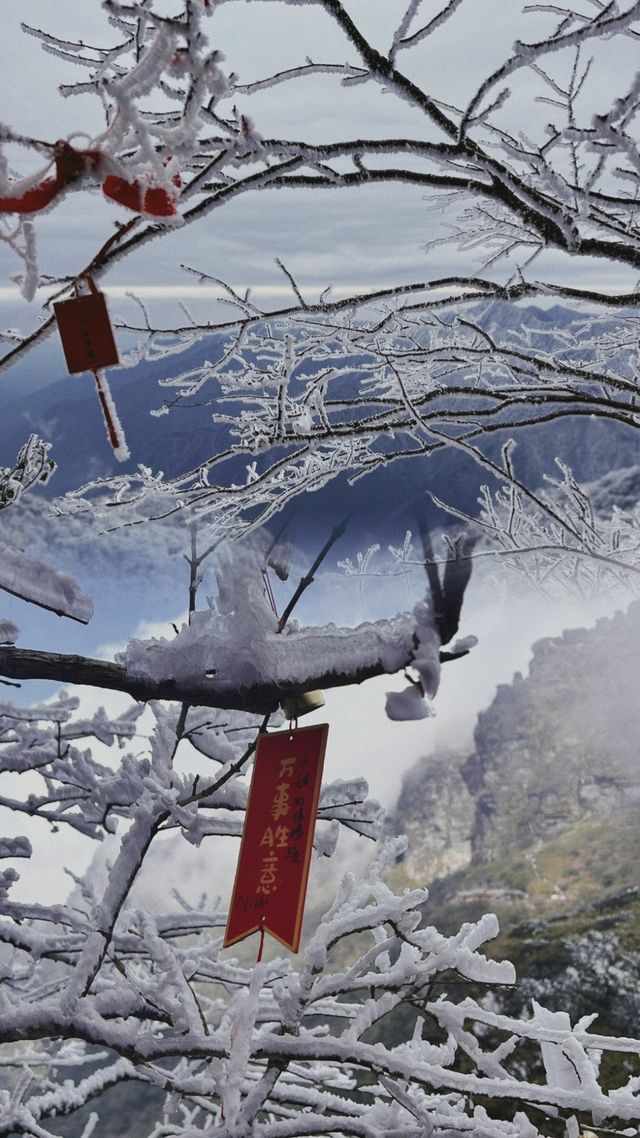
(294, 706)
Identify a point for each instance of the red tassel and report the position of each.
(115, 434)
(31, 200)
(154, 200)
(159, 203)
(112, 433)
(123, 192)
(70, 164)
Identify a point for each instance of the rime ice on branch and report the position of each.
(106, 991)
(433, 374)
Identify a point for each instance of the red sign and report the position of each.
(86, 334)
(273, 867)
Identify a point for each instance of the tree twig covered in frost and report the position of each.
(106, 989)
(262, 1061)
(240, 655)
(564, 181)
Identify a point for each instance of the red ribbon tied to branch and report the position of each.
(141, 195)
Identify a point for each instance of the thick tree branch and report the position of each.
(260, 698)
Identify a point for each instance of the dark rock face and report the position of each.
(554, 748)
(436, 813)
(561, 743)
(551, 798)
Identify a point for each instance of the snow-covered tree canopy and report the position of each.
(526, 155)
(361, 1037)
(528, 158)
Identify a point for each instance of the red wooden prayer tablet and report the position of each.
(86, 333)
(273, 867)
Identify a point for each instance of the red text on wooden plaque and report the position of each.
(273, 867)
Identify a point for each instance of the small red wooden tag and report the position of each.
(86, 333)
(273, 867)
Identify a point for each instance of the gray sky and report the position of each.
(371, 236)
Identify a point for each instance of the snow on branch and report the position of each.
(271, 1049)
(42, 584)
(33, 465)
(291, 1052)
(234, 656)
(423, 383)
(238, 652)
(320, 387)
(297, 411)
(174, 112)
(582, 537)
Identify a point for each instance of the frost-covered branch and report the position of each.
(180, 120)
(522, 210)
(236, 656)
(262, 1062)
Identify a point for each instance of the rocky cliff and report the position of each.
(561, 744)
(541, 823)
(556, 747)
(436, 812)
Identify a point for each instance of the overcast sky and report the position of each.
(371, 236)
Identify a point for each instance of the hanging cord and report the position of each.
(261, 941)
(103, 395)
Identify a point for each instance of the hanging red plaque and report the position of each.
(88, 343)
(85, 331)
(273, 867)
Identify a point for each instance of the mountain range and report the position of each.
(65, 412)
